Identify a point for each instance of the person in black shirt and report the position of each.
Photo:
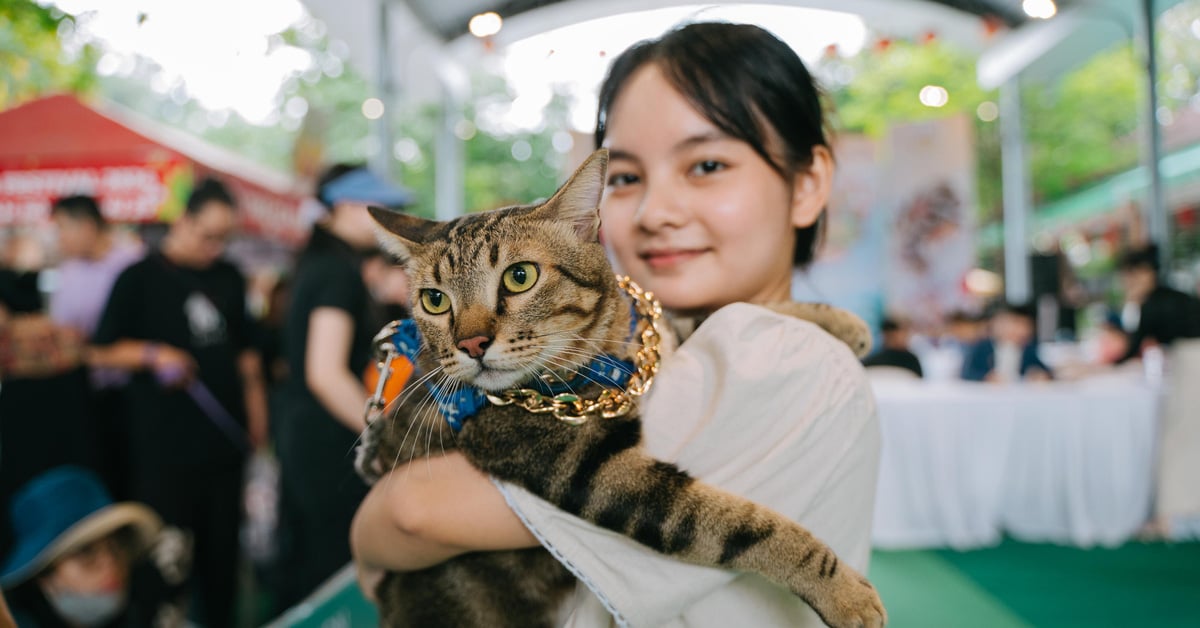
(894, 352)
(327, 342)
(1164, 314)
(195, 405)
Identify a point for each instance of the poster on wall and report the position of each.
(900, 224)
(847, 271)
(931, 182)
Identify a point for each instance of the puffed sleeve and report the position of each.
(761, 405)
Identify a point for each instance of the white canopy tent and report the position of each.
(420, 49)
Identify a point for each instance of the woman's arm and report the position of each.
(330, 336)
(428, 511)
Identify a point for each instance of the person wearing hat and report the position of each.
(82, 560)
(327, 343)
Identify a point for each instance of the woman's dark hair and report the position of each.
(748, 83)
(331, 174)
(207, 191)
(79, 207)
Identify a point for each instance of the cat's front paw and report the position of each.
(848, 600)
(366, 459)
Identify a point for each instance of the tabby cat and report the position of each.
(502, 298)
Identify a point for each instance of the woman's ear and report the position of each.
(811, 188)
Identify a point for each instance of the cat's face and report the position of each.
(505, 296)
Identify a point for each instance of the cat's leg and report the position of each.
(840, 324)
(367, 461)
(661, 506)
(409, 429)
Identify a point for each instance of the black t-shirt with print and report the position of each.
(203, 312)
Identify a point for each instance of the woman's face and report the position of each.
(693, 215)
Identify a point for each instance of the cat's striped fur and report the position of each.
(596, 470)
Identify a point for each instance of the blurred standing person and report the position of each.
(327, 343)
(178, 320)
(1165, 326)
(45, 420)
(92, 260)
(1154, 312)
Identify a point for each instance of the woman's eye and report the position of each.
(622, 179)
(520, 277)
(707, 166)
(435, 301)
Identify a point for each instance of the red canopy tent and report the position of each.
(139, 170)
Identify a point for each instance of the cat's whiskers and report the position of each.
(423, 406)
(575, 335)
(587, 355)
(533, 373)
(403, 398)
(454, 388)
(585, 375)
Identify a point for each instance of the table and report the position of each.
(1063, 462)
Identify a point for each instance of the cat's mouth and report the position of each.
(495, 379)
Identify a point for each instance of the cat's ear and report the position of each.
(577, 202)
(398, 232)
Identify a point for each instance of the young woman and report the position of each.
(720, 170)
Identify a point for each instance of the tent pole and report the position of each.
(1016, 194)
(1158, 217)
(380, 159)
(448, 160)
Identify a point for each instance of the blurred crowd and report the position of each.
(160, 445)
(1001, 343)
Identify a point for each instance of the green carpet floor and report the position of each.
(1019, 585)
(1013, 585)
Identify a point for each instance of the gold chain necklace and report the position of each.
(611, 402)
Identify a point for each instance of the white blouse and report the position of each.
(759, 404)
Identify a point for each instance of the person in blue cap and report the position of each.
(327, 344)
(82, 560)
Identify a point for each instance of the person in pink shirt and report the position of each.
(92, 259)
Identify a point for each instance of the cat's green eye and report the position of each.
(520, 276)
(435, 301)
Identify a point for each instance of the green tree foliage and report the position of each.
(1084, 125)
(33, 61)
(1179, 55)
(881, 85)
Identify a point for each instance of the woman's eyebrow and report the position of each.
(616, 153)
(699, 138)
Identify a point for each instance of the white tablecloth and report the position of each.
(1057, 462)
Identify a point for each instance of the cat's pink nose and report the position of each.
(475, 347)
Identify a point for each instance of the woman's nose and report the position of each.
(662, 206)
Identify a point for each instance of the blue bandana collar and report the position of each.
(465, 402)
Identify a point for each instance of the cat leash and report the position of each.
(617, 399)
